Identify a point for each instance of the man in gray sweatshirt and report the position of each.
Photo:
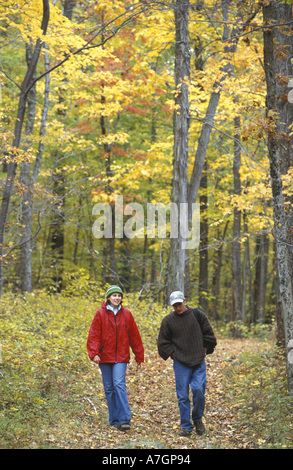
(186, 336)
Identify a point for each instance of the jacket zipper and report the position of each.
(116, 339)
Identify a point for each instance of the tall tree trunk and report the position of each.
(110, 242)
(145, 247)
(181, 128)
(260, 281)
(26, 200)
(279, 155)
(204, 252)
(12, 166)
(59, 179)
(57, 233)
(217, 274)
(277, 306)
(236, 247)
(247, 267)
(28, 181)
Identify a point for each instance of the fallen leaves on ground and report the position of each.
(51, 394)
(155, 416)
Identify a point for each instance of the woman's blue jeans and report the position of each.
(195, 377)
(114, 381)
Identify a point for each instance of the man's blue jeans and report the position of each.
(114, 381)
(195, 377)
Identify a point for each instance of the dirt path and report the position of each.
(155, 416)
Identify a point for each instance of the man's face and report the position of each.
(180, 307)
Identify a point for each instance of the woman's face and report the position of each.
(115, 299)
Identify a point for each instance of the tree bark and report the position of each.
(247, 272)
(204, 250)
(26, 200)
(28, 182)
(57, 232)
(12, 166)
(236, 247)
(260, 281)
(217, 274)
(277, 158)
(181, 128)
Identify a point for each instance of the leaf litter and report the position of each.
(52, 395)
(155, 415)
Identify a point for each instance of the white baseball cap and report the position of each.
(176, 296)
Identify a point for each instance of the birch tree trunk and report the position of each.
(277, 69)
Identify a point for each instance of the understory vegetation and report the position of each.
(51, 394)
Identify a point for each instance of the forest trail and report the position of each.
(155, 416)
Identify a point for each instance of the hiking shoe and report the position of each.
(199, 427)
(185, 433)
(124, 427)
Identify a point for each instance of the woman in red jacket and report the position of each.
(112, 332)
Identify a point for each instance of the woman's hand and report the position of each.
(96, 359)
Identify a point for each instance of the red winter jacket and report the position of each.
(110, 336)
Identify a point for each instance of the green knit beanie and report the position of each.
(113, 290)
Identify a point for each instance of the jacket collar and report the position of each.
(115, 310)
(108, 307)
(187, 311)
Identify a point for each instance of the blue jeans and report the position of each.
(114, 381)
(195, 377)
